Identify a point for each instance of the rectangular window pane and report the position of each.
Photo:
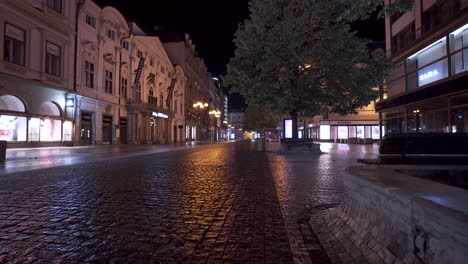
(51, 130)
(67, 130)
(14, 45)
(360, 131)
(53, 57)
(343, 132)
(34, 129)
(12, 128)
(375, 132)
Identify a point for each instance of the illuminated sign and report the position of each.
(428, 75)
(288, 128)
(161, 115)
(325, 132)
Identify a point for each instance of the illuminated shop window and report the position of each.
(34, 129)
(51, 130)
(343, 132)
(360, 131)
(375, 132)
(426, 66)
(325, 132)
(12, 128)
(67, 130)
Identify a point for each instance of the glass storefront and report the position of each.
(20, 129)
(431, 64)
(12, 128)
(427, 65)
(430, 117)
(331, 132)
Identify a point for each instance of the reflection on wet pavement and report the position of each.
(221, 203)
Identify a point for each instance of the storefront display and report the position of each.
(51, 130)
(34, 128)
(12, 128)
(67, 130)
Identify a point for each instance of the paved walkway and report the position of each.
(24, 159)
(220, 203)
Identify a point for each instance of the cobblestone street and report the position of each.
(222, 203)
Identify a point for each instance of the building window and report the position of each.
(151, 62)
(110, 33)
(181, 108)
(161, 99)
(403, 39)
(91, 21)
(14, 45)
(125, 45)
(108, 84)
(55, 5)
(151, 99)
(162, 69)
(138, 92)
(123, 86)
(428, 65)
(175, 106)
(140, 54)
(459, 49)
(89, 74)
(53, 58)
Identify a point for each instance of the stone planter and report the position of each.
(298, 146)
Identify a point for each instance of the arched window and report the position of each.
(50, 109)
(11, 103)
(151, 98)
(138, 92)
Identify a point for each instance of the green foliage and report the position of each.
(258, 117)
(300, 56)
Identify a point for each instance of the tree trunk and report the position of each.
(294, 124)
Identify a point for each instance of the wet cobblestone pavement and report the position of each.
(222, 203)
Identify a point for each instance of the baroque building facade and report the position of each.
(75, 73)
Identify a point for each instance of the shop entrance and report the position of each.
(86, 129)
(123, 130)
(106, 129)
(175, 134)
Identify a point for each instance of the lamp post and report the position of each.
(200, 106)
(216, 114)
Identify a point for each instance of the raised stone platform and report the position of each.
(388, 217)
(297, 146)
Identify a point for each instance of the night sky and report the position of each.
(211, 24)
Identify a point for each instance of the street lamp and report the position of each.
(200, 106)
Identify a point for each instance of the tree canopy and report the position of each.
(258, 117)
(300, 56)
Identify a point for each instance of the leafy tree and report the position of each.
(259, 117)
(300, 57)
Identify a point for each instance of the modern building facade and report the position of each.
(428, 89)
(75, 73)
(338, 128)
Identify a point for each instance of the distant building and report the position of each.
(427, 90)
(236, 121)
(338, 128)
